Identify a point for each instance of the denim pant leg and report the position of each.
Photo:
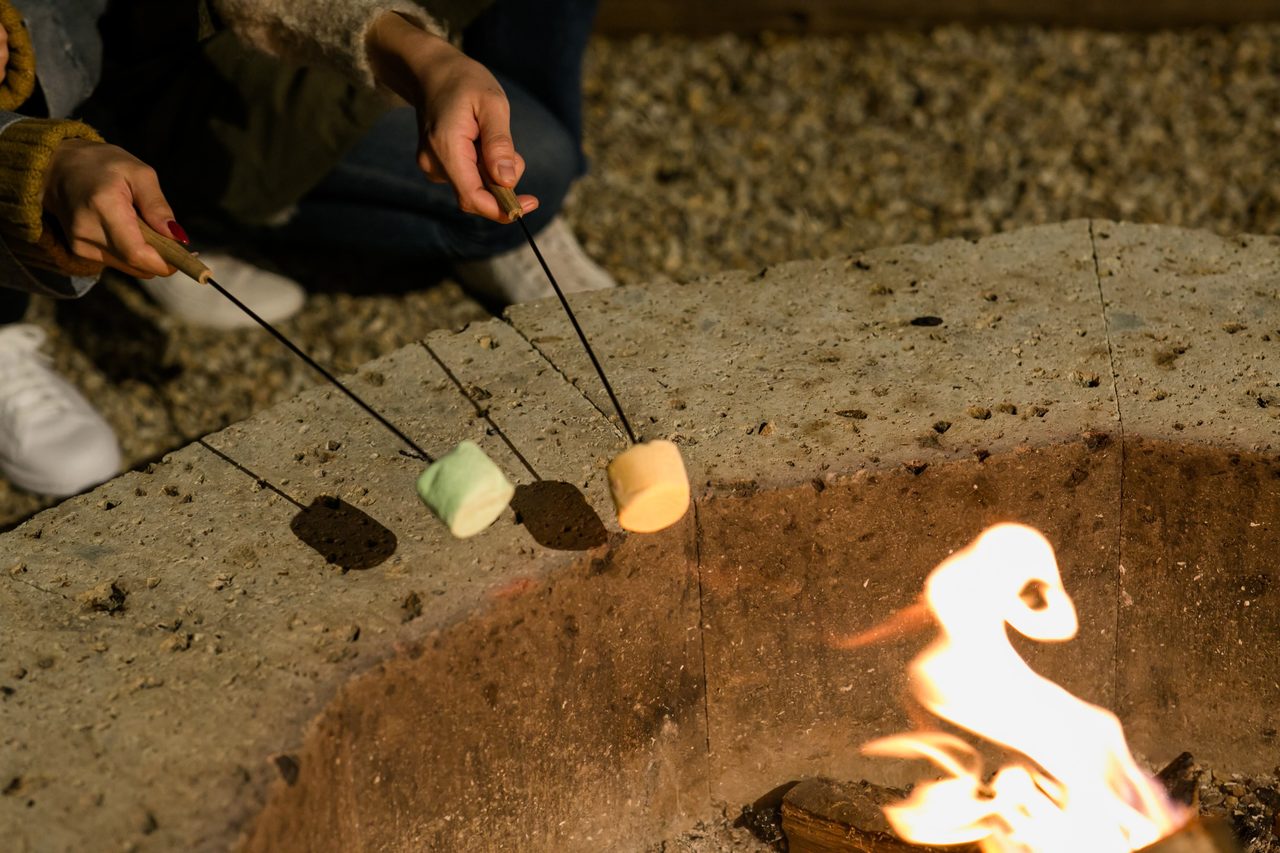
(539, 44)
(376, 200)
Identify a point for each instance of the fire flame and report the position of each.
(1079, 788)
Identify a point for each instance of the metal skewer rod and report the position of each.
(177, 255)
(591, 353)
(511, 206)
(355, 398)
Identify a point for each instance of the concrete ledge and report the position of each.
(299, 657)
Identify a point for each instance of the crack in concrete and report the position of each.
(697, 547)
(1115, 392)
(547, 358)
(702, 643)
(39, 588)
(481, 411)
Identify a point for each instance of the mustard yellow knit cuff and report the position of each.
(26, 147)
(20, 71)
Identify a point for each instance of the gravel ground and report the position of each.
(742, 152)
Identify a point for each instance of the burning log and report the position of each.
(822, 816)
(1079, 787)
(1070, 783)
(1179, 779)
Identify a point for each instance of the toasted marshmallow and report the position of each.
(649, 485)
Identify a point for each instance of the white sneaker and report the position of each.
(516, 276)
(272, 297)
(52, 442)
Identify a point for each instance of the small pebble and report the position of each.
(106, 597)
(1085, 379)
(410, 607)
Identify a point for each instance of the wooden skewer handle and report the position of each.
(176, 254)
(506, 200)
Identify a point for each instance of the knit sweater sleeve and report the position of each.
(20, 71)
(327, 32)
(26, 148)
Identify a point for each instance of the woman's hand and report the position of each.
(463, 114)
(97, 192)
(4, 51)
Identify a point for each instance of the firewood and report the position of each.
(822, 816)
(1179, 778)
(1198, 836)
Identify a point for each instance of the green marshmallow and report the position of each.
(465, 489)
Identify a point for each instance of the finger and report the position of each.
(124, 241)
(152, 205)
(124, 267)
(528, 203)
(88, 242)
(497, 148)
(92, 250)
(430, 164)
(461, 163)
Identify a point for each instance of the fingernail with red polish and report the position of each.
(178, 233)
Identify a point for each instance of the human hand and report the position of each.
(4, 51)
(463, 114)
(97, 192)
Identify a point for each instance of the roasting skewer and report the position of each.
(648, 481)
(464, 488)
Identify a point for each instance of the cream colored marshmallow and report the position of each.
(649, 485)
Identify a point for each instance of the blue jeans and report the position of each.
(377, 201)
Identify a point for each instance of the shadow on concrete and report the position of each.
(557, 515)
(343, 535)
(127, 347)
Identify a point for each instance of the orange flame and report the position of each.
(1079, 788)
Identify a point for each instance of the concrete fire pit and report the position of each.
(265, 641)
